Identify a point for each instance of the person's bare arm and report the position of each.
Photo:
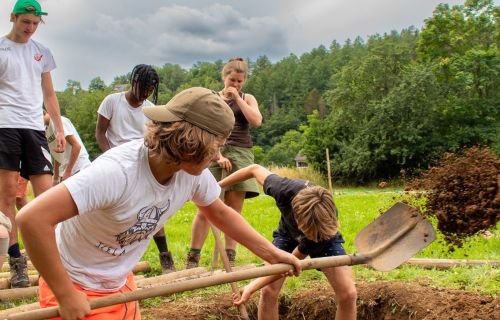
(261, 282)
(52, 106)
(37, 222)
(235, 226)
(100, 133)
(75, 153)
(248, 106)
(252, 171)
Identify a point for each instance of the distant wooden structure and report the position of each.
(300, 161)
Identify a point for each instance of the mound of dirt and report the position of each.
(380, 300)
(462, 192)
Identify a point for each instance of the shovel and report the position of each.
(384, 244)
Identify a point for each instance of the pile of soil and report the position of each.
(462, 191)
(380, 300)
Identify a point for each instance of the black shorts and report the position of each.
(332, 247)
(24, 150)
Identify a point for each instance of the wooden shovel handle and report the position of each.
(187, 285)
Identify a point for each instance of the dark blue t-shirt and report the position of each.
(283, 190)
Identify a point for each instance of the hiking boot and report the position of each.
(193, 259)
(166, 262)
(19, 272)
(231, 256)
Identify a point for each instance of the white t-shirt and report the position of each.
(126, 123)
(121, 206)
(21, 97)
(64, 157)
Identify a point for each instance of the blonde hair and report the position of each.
(236, 64)
(315, 213)
(180, 141)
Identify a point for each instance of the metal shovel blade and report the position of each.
(394, 237)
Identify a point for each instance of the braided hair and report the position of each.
(144, 77)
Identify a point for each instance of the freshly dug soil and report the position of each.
(379, 300)
(463, 192)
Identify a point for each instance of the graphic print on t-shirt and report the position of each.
(147, 220)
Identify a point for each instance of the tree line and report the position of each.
(394, 102)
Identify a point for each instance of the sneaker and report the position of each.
(231, 256)
(166, 262)
(193, 259)
(19, 272)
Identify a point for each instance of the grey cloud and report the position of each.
(185, 35)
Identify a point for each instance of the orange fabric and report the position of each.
(124, 311)
(22, 187)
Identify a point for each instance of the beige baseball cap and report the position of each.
(199, 106)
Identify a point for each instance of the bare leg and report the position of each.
(21, 202)
(8, 188)
(269, 301)
(199, 231)
(234, 199)
(342, 281)
(41, 183)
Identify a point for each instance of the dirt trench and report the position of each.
(376, 301)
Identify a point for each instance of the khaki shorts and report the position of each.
(240, 158)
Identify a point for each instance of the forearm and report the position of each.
(52, 106)
(39, 241)
(102, 142)
(75, 153)
(251, 111)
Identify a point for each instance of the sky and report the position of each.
(107, 38)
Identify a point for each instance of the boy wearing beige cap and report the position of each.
(107, 213)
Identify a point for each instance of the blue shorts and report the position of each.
(328, 248)
(24, 150)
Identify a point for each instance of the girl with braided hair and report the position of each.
(121, 119)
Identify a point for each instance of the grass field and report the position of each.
(357, 208)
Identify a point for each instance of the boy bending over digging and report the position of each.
(86, 234)
(308, 227)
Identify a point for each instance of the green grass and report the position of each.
(357, 208)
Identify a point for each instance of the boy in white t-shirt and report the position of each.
(106, 214)
(120, 119)
(25, 84)
(75, 156)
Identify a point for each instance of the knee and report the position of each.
(348, 296)
(269, 293)
(8, 196)
(200, 219)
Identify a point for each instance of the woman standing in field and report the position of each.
(237, 153)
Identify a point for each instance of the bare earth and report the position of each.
(379, 300)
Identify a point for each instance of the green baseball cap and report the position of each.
(199, 106)
(28, 7)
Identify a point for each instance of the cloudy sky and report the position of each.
(106, 38)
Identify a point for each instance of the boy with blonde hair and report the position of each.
(308, 227)
(86, 234)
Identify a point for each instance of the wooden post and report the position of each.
(330, 187)
(220, 249)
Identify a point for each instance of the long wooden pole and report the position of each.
(330, 186)
(187, 285)
(219, 246)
